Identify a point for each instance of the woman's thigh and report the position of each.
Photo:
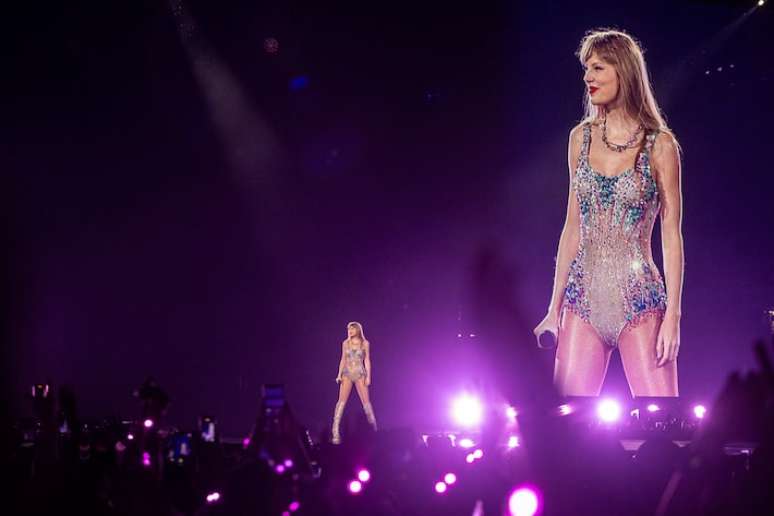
(638, 355)
(581, 358)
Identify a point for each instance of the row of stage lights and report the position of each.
(468, 411)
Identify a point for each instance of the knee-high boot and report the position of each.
(369, 412)
(335, 432)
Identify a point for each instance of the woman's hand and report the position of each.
(338, 379)
(550, 323)
(668, 341)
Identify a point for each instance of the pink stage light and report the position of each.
(466, 442)
(146, 459)
(699, 411)
(148, 423)
(288, 463)
(653, 408)
(294, 506)
(513, 441)
(478, 453)
(470, 458)
(450, 478)
(510, 413)
(609, 411)
(524, 501)
(440, 487)
(364, 475)
(245, 442)
(213, 497)
(355, 487)
(467, 411)
(130, 436)
(565, 409)
(280, 469)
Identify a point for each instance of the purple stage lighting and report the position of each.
(467, 410)
(355, 487)
(288, 463)
(146, 459)
(130, 436)
(470, 458)
(148, 423)
(440, 487)
(478, 453)
(466, 442)
(653, 407)
(699, 411)
(294, 506)
(245, 442)
(450, 478)
(513, 441)
(524, 501)
(609, 410)
(364, 475)
(280, 469)
(213, 497)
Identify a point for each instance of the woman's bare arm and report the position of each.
(570, 237)
(367, 360)
(666, 160)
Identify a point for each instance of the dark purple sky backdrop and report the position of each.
(424, 136)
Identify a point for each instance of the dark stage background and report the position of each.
(187, 201)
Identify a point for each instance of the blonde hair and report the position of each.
(359, 329)
(636, 93)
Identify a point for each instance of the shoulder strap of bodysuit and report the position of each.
(649, 140)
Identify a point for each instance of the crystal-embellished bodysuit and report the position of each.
(613, 281)
(354, 366)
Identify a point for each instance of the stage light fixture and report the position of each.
(355, 487)
(609, 411)
(466, 442)
(524, 501)
(565, 409)
(467, 410)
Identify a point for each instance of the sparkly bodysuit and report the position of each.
(613, 282)
(354, 366)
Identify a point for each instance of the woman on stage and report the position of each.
(354, 368)
(624, 166)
